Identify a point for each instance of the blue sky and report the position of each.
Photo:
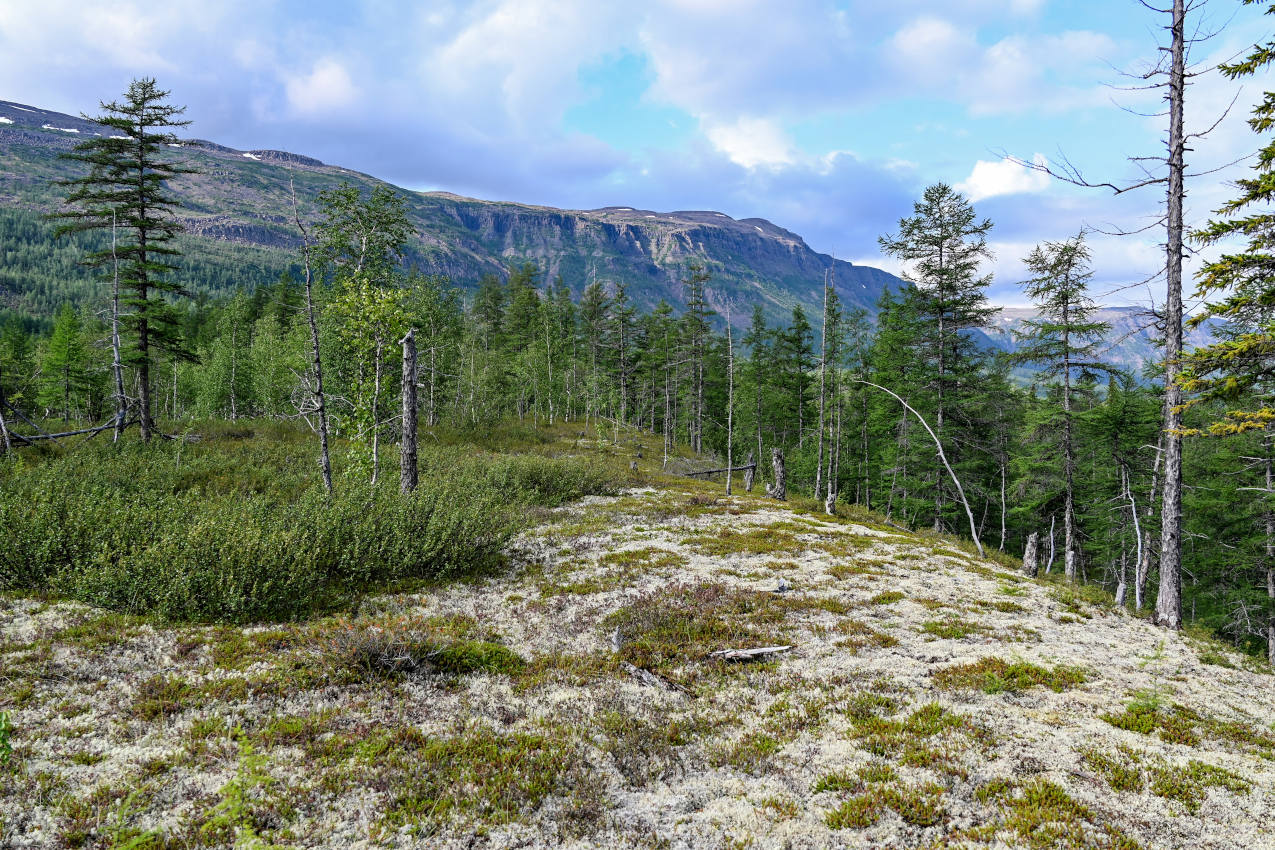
(828, 118)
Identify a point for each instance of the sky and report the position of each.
(827, 117)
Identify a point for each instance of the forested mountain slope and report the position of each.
(238, 215)
(927, 698)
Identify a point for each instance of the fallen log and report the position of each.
(43, 436)
(752, 466)
(655, 680)
(757, 654)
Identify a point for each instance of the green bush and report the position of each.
(239, 529)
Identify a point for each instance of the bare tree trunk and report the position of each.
(1168, 603)
(1069, 465)
(407, 472)
(779, 489)
(750, 473)
(1269, 517)
(117, 361)
(1137, 536)
(316, 390)
(834, 458)
(376, 413)
(1002, 466)
(234, 357)
(823, 372)
(960, 491)
(1031, 562)
(4, 426)
(1050, 565)
(730, 401)
(1143, 570)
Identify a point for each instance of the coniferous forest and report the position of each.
(282, 466)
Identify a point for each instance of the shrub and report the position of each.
(239, 529)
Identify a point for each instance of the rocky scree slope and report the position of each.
(929, 699)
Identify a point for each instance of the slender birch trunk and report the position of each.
(316, 390)
(117, 361)
(376, 410)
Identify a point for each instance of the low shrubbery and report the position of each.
(236, 527)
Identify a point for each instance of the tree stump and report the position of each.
(750, 473)
(1031, 564)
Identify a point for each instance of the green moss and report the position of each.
(87, 758)
(930, 737)
(952, 629)
(1188, 784)
(104, 630)
(1174, 724)
(750, 752)
(161, 696)
(1122, 772)
(995, 675)
(861, 635)
(752, 541)
(888, 597)
(684, 623)
(919, 805)
(855, 813)
(477, 775)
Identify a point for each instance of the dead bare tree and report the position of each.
(315, 387)
(1171, 74)
(407, 477)
(960, 491)
(778, 490)
(730, 400)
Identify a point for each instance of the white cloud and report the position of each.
(326, 88)
(1003, 177)
(752, 142)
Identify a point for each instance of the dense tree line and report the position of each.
(1073, 457)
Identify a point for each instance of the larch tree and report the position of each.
(943, 244)
(126, 192)
(696, 330)
(65, 367)
(1063, 340)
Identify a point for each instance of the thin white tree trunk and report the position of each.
(1168, 603)
(960, 491)
(407, 475)
(316, 391)
(730, 401)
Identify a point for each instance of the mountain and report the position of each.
(238, 215)
(1130, 344)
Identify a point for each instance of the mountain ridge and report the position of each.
(238, 215)
(240, 198)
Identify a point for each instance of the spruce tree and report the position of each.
(125, 191)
